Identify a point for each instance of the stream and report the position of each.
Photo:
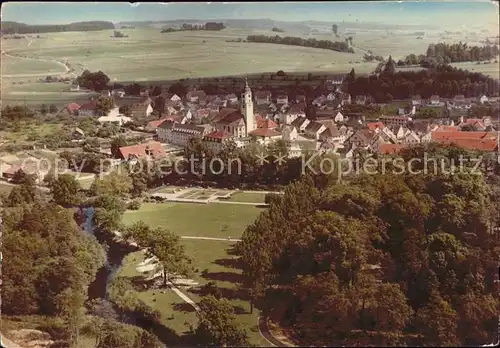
(114, 257)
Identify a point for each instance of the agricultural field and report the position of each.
(203, 220)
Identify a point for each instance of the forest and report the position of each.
(443, 80)
(21, 28)
(214, 26)
(443, 53)
(298, 41)
(382, 260)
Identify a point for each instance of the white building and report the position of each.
(114, 116)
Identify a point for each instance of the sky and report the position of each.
(443, 13)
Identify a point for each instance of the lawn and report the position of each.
(187, 219)
(250, 197)
(212, 262)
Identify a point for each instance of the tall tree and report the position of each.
(64, 189)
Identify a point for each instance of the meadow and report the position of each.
(201, 220)
(149, 55)
(212, 260)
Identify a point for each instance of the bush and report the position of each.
(134, 205)
(56, 328)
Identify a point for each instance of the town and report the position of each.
(249, 182)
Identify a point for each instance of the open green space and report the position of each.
(202, 220)
(212, 262)
(250, 197)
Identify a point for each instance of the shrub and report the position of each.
(134, 205)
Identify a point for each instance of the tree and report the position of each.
(44, 109)
(96, 81)
(104, 104)
(114, 184)
(217, 325)
(52, 109)
(179, 89)
(116, 144)
(390, 67)
(91, 145)
(335, 29)
(64, 190)
(280, 73)
(125, 110)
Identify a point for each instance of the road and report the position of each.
(64, 65)
(266, 333)
(210, 238)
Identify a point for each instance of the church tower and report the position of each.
(247, 109)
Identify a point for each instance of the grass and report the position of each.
(186, 219)
(5, 189)
(212, 262)
(250, 197)
(31, 129)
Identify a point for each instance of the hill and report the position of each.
(22, 28)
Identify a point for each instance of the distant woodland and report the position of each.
(187, 27)
(298, 41)
(21, 28)
(443, 53)
(278, 30)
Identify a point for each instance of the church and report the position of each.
(241, 125)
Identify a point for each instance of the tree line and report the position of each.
(213, 26)
(298, 41)
(443, 53)
(21, 28)
(392, 260)
(443, 80)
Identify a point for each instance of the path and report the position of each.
(183, 296)
(241, 203)
(266, 333)
(211, 238)
(64, 65)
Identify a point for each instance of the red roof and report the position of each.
(389, 149)
(139, 150)
(472, 144)
(218, 135)
(375, 125)
(156, 123)
(265, 132)
(264, 123)
(462, 135)
(73, 107)
(91, 105)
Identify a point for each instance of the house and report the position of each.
(70, 109)
(281, 99)
(263, 97)
(232, 98)
(300, 98)
(75, 88)
(154, 125)
(361, 99)
(314, 129)
(411, 138)
(477, 124)
(483, 99)
(180, 134)
(394, 120)
(114, 116)
(375, 126)
(196, 96)
(175, 98)
(346, 99)
(289, 133)
(444, 128)
(416, 100)
(331, 96)
(106, 93)
(78, 134)
(149, 150)
(435, 100)
(216, 140)
(319, 101)
(426, 137)
(120, 93)
(88, 109)
(294, 112)
(339, 117)
(331, 133)
(301, 124)
(265, 135)
(10, 165)
(265, 123)
(362, 138)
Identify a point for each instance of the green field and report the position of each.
(212, 262)
(12, 65)
(203, 220)
(250, 197)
